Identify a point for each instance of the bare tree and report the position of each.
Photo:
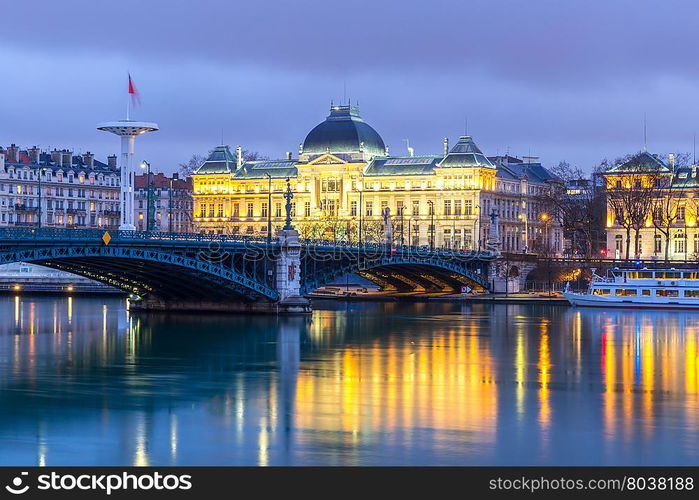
(576, 203)
(632, 195)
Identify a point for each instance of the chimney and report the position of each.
(671, 159)
(34, 154)
(288, 155)
(89, 159)
(56, 157)
(446, 146)
(238, 157)
(12, 153)
(67, 158)
(175, 176)
(2, 159)
(111, 161)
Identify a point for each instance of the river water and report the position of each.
(85, 382)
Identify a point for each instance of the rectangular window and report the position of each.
(369, 208)
(416, 208)
(457, 207)
(251, 210)
(447, 207)
(468, 207)
(236, 210)
(601, 291)
(681, 212)
(220, 210)
(626, 292)
(202, 210)
(264, 209)
(645, 293)
(667, 293)
(277, 209)
(307, 209)
(353, 208)
(691, 293)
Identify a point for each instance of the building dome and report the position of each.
(343, 131)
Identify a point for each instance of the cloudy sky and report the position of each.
(561, 80)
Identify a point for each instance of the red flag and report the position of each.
(135, 95)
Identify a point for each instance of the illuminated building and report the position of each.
(667, 212)
(347, 187)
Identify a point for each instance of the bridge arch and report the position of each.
(402, 273)
(146, 272)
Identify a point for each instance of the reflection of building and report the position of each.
(344, 183)
(61, 189)
(171, 206)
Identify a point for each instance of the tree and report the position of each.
(631, 191)
(575, 201)
(666, 203)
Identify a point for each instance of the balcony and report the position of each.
(24, 208)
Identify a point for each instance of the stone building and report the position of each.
(57, 189)
(171, 205)
(659, 206)
(347, 187)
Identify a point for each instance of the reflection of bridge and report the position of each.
(196, 271)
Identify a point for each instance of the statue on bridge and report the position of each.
(288, 196)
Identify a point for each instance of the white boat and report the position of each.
(641, 288)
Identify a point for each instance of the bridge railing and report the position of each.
(382, 248)
(33, 233)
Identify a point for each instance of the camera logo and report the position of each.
(16, 487)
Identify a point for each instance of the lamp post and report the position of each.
(174, 177)
(269, 208)
(150, 208)
(431, 204)
(400, 213)
(523, 216)
(361, 207)
(40, 171)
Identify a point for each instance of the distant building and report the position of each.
(661, 221)
(171, 208)
(346, 186)
(57, 189)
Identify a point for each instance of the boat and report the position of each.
(640, 288)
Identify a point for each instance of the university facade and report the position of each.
(347, 187)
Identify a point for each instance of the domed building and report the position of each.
(347, 187)
(343, 133)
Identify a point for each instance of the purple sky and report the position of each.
(558, 79)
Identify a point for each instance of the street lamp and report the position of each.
(150, 208)
(40, 171)
(431, 204)
(400, 213)
(523, 216)
(269, 208)
(361, 207)
(174, 177)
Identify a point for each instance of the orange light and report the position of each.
(544, 216)
(17, 287)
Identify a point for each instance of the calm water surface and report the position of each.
(83, 381)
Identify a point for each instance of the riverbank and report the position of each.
(501, 298)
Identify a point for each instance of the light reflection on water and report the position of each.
(83, 381)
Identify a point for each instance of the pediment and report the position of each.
(327, 159)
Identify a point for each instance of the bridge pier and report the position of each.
(508, 275)
(289, 274)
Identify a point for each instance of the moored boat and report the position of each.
(641, 288)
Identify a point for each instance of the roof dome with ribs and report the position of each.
(343, 131)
